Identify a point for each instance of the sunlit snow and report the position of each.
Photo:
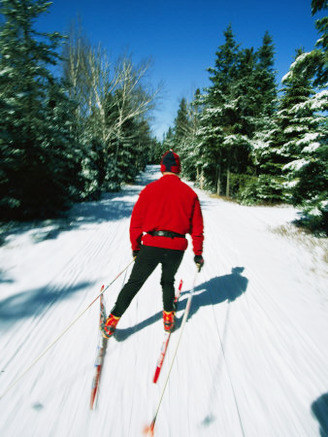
(253, 358)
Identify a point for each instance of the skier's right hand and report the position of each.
(135, 253)
(199, 261)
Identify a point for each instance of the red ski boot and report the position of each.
(110, 326)
(168, 319)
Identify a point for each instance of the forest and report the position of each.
(71, 136)
(245, 139)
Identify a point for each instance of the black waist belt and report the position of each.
(169, 234)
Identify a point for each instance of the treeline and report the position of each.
(71, 136)
(245, 139)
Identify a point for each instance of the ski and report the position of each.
(165, 343)
(149, 430)
(101, 351)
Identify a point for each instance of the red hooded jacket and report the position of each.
(167, 204)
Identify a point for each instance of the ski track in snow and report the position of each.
(253, 359)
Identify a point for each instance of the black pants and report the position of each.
(146, 262)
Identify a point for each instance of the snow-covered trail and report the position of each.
(253, 359)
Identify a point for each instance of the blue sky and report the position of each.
(182, 36)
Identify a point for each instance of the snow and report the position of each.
(311, 148)
(253, 357)
(296, 165)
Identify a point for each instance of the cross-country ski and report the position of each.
(101, 352)
(165, 343)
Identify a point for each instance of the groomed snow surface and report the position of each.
(253, 356)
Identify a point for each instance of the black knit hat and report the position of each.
(170, 162)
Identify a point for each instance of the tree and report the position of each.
(189, 144)
(181, 125)
(216, 117)
(308, 171)
(39, 166)
(113, 98)
(315, 62)
(265, 81)
(168, 140)
(228, 118)
(320, 57)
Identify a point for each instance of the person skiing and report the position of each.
(165, 211)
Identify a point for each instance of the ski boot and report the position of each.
(109, 327)
(168, 319)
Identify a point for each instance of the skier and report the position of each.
(165, 211)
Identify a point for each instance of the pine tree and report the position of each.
(315, 62)
(38, 166)
(228, 117)
(308, 171)
(284, 131)
(265, 78)
(226, 68)
(214, 122)
(307, 152)
(320, 57)
(190, 145)
(181, 125)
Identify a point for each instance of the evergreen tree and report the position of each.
(189, 145)
(226, 68)
(294, 118)
(308, 170)
(168, 140)
(279, 145)
(265, 78)
(181, 125)
(315, 62)
(307, 152)
(39, 168)
(320, 57)
(214, 122)
(228, 117)
(262, 187)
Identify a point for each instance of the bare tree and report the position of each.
(94, 78)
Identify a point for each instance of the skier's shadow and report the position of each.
(320, 410)
(213, 292)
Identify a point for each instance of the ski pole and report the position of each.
(103, 289)
(149, 431)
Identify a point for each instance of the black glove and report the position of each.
(135, 253)
(199, 260)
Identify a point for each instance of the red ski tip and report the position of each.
(156, 375)
(92, 400)
(149, 430)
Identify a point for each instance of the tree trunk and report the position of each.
(201, 182)
(218, 184)
(228, 182)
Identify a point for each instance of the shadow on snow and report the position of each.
(34, 302)
(213, 292)
(320, 411)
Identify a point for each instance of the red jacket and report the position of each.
(167, 204)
